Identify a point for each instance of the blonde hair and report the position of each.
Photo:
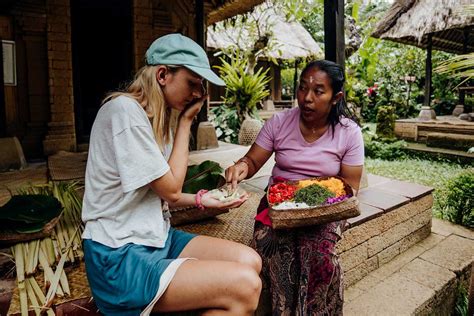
(148, 93)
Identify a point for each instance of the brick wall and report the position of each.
(142, 30)
(61, 133)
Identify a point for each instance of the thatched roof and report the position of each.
(286, 40)
(410, 22)
(229, 8)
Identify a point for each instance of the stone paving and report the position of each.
(422, 280)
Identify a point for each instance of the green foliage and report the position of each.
(431, 173)
(313, 22)
(313, 194)
(462, 302)
(287, 82)
(388, 65)
(297, 10)
(460, 66)
(458, 205)
(244, 91)
(383, 148)
(28, 213)
(207, 175)
(226, 122)
(386, 121)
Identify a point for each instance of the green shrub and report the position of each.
(386, 121)
(226, 122)
(458, 204)
(462, 303)
(383, 148)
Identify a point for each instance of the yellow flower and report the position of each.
(332, 184)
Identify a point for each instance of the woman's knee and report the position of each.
(250, 286)
(251, 258)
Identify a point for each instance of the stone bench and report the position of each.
(395, 215)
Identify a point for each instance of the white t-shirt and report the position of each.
(119, 207)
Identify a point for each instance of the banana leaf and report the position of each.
(207, 175)
(21, 227)
(29, 212)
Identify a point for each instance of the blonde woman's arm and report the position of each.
(169, 186)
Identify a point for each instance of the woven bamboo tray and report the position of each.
(12, 237)
(291, 218)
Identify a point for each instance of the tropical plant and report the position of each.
(460, 66)
(244, 91)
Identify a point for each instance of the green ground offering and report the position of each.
(313, 194)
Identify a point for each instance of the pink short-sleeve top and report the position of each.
(298, 159)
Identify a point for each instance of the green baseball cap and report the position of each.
(176, 49)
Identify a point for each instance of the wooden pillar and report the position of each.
(201, 40)
(3, 108)
(334, 31)
(295, 79)
(427, 113)
(428, 73)
(203, 132)
(462, 94)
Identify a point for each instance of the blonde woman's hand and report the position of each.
(236, 173)
(192, 109)
(209, 201)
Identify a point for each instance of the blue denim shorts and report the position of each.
(125, 280)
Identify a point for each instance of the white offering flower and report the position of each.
(290, 205)
(225, 194)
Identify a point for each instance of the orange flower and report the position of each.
(332, 184)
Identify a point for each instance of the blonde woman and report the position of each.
(136, 263)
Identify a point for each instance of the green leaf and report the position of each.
(31, 208)
(207, 175)
(28, 213)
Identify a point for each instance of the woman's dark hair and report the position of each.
(336, 75)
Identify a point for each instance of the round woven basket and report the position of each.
(13, 237)
(291, 218)
(249, 131)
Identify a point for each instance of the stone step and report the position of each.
(423, 280)
(450, 141)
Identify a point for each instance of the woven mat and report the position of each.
(13, 180)
(67, 166)
(78, 285)
(237, 225)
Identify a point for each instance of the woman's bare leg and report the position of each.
(210, 248)
(230, 288)
(223, 281)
